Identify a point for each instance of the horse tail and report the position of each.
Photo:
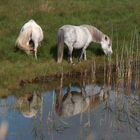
(23, 40)
(60, 46)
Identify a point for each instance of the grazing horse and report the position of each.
(30, 37)
(79, 37)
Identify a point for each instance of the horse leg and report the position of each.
(81, 56)
(35, 50)
(85, 56)
(83, 53)
(70, 54)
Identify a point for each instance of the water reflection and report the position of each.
(75, 102)
(85, 111)
(29, 105)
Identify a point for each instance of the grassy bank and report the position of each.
(119, 19)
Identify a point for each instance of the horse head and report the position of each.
(106, 44)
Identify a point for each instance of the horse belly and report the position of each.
(78, 45)
(81, 39)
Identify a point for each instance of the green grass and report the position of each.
(117, 18)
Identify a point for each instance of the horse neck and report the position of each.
(95, 33)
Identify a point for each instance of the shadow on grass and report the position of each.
(96, 50)
(53, 51)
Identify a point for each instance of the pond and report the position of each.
(91, 106)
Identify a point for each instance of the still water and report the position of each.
(84, 110)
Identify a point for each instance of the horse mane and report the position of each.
(97, 35)
(23, 39)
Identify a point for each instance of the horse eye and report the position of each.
(105, 37)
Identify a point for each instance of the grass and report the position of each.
(119, 19)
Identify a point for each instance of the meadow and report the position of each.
(120, 19)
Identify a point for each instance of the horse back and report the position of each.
(37, 33)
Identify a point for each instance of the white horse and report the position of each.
(79, 37)
(30, 37)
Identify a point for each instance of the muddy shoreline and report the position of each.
(72, 74)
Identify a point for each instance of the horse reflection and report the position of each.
(29, 105)
(74, 102)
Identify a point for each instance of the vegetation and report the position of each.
(119, 19)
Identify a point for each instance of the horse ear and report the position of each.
(106, 38)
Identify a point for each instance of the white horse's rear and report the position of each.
(29, 38)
